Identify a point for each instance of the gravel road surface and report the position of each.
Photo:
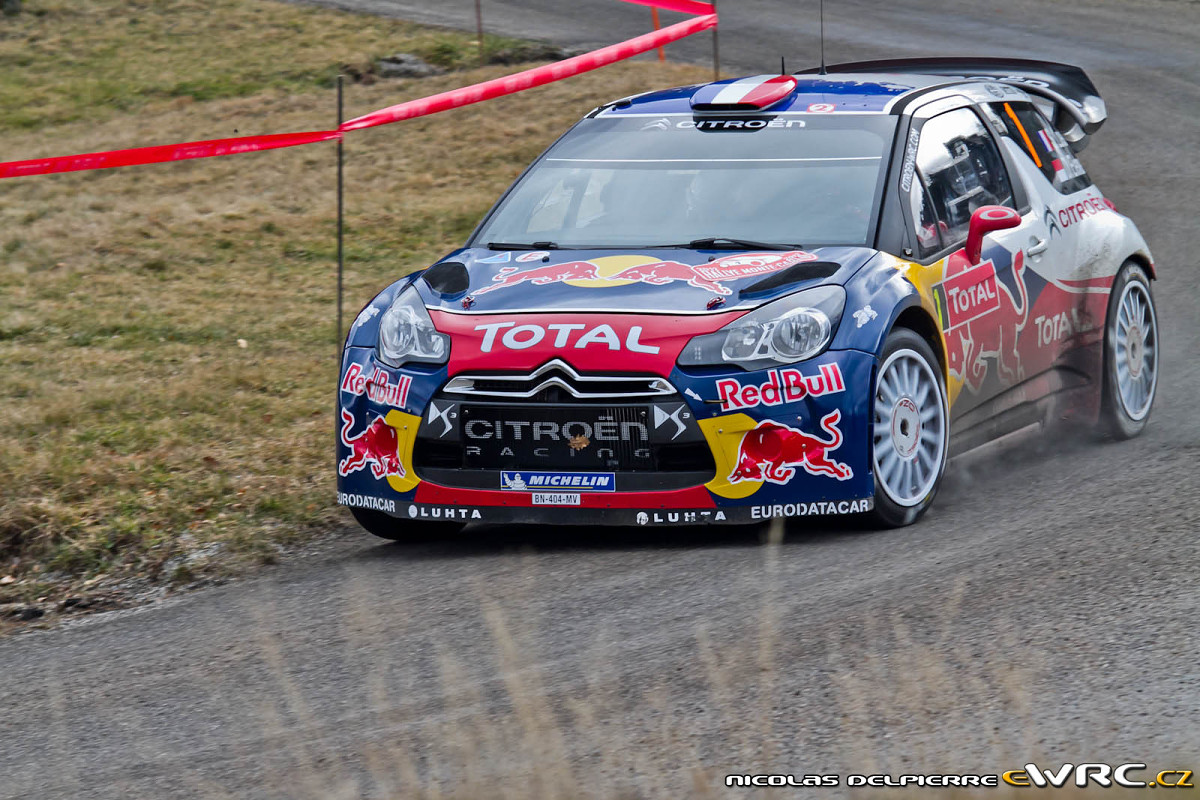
(1046, 609)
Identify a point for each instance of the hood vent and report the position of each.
(809, 271)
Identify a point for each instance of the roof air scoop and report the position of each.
(745, 94)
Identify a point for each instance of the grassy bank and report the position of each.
(167, 343)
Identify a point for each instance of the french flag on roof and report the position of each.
(757, 93)
(1055, 161)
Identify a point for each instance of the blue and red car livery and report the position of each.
(779, 296)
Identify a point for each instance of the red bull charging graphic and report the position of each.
(596, 274)
(772, 452)
(377, 446)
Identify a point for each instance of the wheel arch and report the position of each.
(883, 293)
(1144, 261)
(916, 319)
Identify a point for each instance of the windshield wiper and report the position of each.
(520, 246)
(726, 243)
(723, 242)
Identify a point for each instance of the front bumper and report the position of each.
(788, 442)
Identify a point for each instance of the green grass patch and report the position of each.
(69, 60)
(167, 342)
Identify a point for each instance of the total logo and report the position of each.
(971, 294)
(781, 386)
(982, 317)
(1060, 326)
(565, 334)
(612, 271)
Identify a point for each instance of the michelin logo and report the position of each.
(576, 481)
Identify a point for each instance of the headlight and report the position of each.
(793, 328)
(406, 333)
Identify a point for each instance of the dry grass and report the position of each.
(134, 424)
(510, 725)
(65, 60)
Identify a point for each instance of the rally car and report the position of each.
(779, 296)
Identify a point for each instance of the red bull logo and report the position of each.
(664, 272)
(540, 276)
(609, 272)
(378, 386)
(981, 318)
(772, 452)
(378, 446)
(781, 386)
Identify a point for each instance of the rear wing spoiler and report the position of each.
(1077, 110)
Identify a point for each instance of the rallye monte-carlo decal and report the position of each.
(609, 271)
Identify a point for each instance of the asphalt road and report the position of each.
(1046, 609)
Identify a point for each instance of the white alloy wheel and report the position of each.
(910, 428)
(1135, 357)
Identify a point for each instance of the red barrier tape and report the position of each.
(530, 78)
(538, 76)
(161, 153)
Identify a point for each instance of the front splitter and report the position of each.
(575, 515)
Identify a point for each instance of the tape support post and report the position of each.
(456, 98)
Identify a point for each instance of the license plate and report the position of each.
(543, 499)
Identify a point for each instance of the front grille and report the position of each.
(637, 428)
(555, 382)
(569, 437)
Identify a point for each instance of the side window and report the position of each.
(1044, 145)
(961, 170)
(929, 234)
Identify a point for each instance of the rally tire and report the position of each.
(1131, 355)
(910, 431)
(403, 530)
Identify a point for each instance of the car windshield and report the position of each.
(803, 179)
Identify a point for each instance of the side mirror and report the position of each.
(985, 220)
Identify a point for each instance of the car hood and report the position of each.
(638, 281)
